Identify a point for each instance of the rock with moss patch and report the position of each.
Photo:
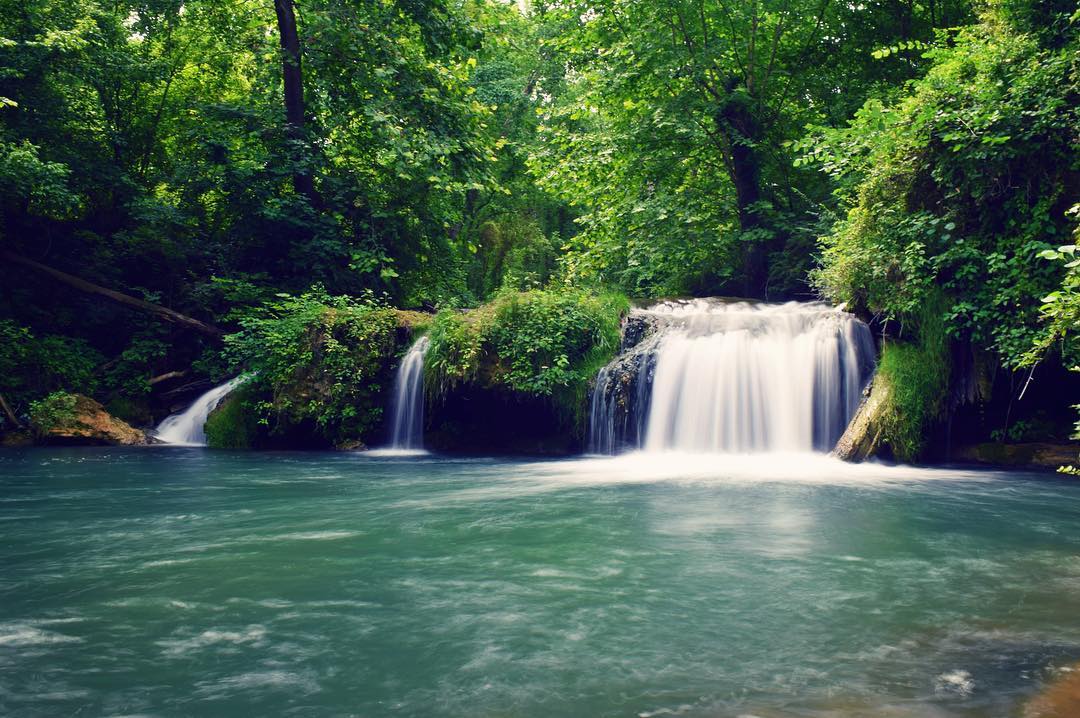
(85, 421)
(233, 424)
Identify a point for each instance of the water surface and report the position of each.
(168, 582)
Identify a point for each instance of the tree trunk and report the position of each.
(293, 83)
(128, 301)
(9, 413)
(737, 123)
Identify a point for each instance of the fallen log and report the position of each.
(126, 300)
(166, 376)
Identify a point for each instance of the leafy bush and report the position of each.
(54, 410)
(959, 187)
(320, 361)
(31, 367)
(1061, 317)
(546, 343)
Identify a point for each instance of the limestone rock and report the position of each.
(91, 424)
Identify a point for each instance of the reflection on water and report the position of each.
(185, 582)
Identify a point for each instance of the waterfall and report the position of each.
(186, 428)
(407, 426)
(714, 376)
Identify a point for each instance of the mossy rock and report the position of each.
(81, 420)
(233, 424)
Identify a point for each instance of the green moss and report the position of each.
(918, 375)
(234, 424)
(540, 343)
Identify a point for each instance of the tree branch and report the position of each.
(82, 285)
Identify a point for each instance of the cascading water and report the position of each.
(407, 426)
(713, 376)
(187, 427)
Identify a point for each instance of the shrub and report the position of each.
(31, 366)
(54, 410)
(958, 187)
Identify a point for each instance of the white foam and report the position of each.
(28, 634)
(394, 453)
(253, 635)
(958, 681)
(317, 535)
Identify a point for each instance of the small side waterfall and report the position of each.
(186, 428)
(407, 425)
(713, 376)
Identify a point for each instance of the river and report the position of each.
(172, 581)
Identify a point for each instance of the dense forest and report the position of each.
(191, 190)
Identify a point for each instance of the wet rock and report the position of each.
(1060, 699)
(1035, 454)
(620, 401)
(863, 437)
(16, 439)
(351, 445)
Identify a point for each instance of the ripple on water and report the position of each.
(31, 633)
(282, 680)
(253, 635)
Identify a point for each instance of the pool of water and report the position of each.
(168, 582)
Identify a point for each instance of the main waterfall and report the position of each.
(714, 376)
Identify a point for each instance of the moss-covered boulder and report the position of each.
(322, 370)
(513, 375)
(63, 418)
(234, 423)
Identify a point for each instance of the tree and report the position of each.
(717, 84)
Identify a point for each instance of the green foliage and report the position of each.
(917, 374)
(959, 186)
(546, 343)
(461, 151)
(666, 129)
(322, 362)
(56, 409)
(1061, 317)
(31, 367)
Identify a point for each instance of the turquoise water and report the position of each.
(169, 582)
